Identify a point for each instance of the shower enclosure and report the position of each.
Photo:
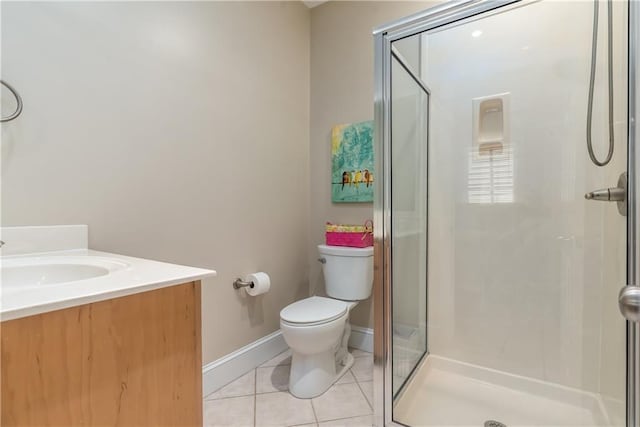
(496, 280)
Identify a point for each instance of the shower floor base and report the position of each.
(446, 392)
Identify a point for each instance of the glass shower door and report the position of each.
(409, 129)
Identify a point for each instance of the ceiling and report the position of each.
(313, 3)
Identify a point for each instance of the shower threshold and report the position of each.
(446, 392)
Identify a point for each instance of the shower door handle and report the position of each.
(629, 303)
(614, 194)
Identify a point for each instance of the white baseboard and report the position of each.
(226, 369)
(361, 338)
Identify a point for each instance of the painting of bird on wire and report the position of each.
(352, 162)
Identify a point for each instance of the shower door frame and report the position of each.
(443, 14)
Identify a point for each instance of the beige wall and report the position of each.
(178, 131)
(342, 92)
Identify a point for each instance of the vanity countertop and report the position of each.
(126, 276)
(34, 283)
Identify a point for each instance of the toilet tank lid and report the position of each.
(313, 310)
(345, 251)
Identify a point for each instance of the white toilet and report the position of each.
(317, 328)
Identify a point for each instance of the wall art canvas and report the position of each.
(352, 162)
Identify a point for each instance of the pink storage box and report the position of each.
(355, 236)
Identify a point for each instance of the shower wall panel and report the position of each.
(518, 278)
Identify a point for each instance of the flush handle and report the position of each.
(322, 260)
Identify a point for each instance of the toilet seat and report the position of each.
(313, 311)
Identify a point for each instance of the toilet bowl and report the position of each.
(314, 329)
(317, 328)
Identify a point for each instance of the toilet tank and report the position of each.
(348, 272)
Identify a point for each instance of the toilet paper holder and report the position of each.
(239, 283)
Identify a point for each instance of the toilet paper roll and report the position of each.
(261, 283)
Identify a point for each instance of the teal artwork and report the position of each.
(352, 162)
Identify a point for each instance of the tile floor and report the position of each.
(260, 398)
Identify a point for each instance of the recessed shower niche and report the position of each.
(490, 124)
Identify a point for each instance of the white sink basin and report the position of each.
(28, 272)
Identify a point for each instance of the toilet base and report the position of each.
(312, 375)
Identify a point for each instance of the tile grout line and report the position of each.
(315, 416)
(346, 384)
(255, 396)
(228, 397)
(362, 392)
(364, 395)
(345, 418)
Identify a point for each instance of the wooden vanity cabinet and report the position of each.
(128, 361)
